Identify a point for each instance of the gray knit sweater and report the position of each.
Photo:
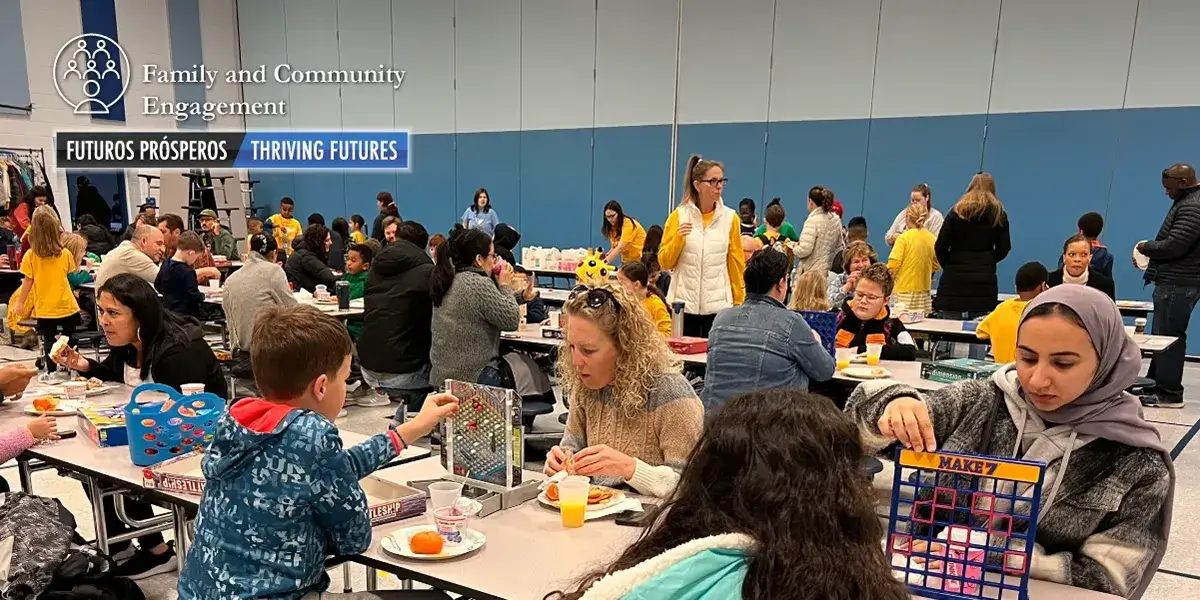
(257, 284)
(1106, 524)
(466, 327)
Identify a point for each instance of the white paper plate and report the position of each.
(396, 543)
(1141, 260)
(618, 496)
(867, 372)
(66, 408)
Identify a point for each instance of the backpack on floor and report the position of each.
(86, 574)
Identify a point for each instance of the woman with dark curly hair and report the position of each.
(771, 504)
(307, 267)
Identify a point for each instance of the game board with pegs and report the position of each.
(483, 440)
(963, 525)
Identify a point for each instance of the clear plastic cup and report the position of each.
(443, 494)
(572, 500)
(844, 356)
(192, 388)
(873, 352)
(75, 390)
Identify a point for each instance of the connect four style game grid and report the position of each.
(963, 525)
(483, 441)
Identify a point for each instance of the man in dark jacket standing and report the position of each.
(1175, 272)
(394, 347)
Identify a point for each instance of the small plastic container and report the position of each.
(75, 390)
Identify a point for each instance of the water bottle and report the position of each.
(342, 289)
(677, 318)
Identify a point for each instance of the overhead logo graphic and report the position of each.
(90, 73)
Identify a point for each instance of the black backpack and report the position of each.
(86, 574)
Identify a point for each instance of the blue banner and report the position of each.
(309, 150)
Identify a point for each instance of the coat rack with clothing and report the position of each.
(21, 169)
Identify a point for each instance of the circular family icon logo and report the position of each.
(88, 73)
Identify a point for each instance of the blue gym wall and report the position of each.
(557, 106)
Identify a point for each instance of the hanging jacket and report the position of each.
(706, 568)
(40, 540)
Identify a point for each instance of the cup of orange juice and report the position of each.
(572, 500)
(873, 352)
(844, 356)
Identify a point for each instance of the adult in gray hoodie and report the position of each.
(1105, 508)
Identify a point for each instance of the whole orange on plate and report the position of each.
(426, 542)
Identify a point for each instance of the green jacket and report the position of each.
(357, 284)
(222, 244)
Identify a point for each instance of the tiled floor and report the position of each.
(1179, 581)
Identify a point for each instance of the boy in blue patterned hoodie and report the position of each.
(282, 494)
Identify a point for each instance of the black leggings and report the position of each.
(48, 329)
(697, 325)
(135, 509)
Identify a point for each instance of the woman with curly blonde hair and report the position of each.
(634, 418)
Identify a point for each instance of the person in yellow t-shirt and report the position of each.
(45, 268)
(913, 261)
(626, 235)
(635, 278)
(357, 224)
(1001, 325)
(285, 225)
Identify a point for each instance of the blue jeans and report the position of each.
(975, 351)
(409, 388)
(1173, 306)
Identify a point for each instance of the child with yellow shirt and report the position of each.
(1001, 325)
(46, 268)
(285, 225)
(913, 261)
(635, 278)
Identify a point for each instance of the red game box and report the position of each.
(688, 345)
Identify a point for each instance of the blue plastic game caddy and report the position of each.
(162, 430)
(963, 525)
(825, 324)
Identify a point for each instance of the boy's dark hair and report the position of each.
(858, 221)
(173, 221)
(775, 215)
(287, 200)
(263, 244)
(190, 240)
(857, 233)
(1091, 224)
(412, 231)
(765, 270)
(747, 203)
(1030, 276)
(316, 219)
(364, 252)
(294, 345)
(880, 275)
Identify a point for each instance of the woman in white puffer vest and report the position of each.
(702, 243)
(821, 237)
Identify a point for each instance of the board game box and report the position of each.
(958, 369)
(483, 441)
(963, 525)
(105, 426)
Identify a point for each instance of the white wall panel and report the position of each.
(725, 63)
(824, 59)
(935, 57)
(263, 42)
(218, 35)
(487, 65)
(143, 33)
(1165, 43)
(641, 33)
(422, 39)
(1062, 55)
(311, 29)
(364, 43)
(558, 52)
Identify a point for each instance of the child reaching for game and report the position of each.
(282, 494)
(1105, 509)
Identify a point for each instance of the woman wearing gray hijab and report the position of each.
(1105, 511)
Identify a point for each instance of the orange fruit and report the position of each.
(552, 492)
(45, 404)
(426, 542)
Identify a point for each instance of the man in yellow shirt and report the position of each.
(285, 225)
(1001, 325)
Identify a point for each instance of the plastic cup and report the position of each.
(449, 523)
(844, 356)
(75, 390)
(572, 500)
(442, 494)
(189, 389)
(1139, 325)
(873, 352)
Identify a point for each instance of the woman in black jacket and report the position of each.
(973, 240)
(308, 267)
(1077, 259)
(387, 208)
(99, 238)
(146, 343)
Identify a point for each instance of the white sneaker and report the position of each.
(353, 387)
(342, 413)
(373, 399)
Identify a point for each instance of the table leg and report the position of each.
(372, 579)
(347, 587)
(406, 584)
(181, 535)
(25, 474)
(97, 497)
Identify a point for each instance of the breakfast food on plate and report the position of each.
(596, 493)
(92, 382)
(60, 345)
(879, 372)
(426, 542)
(45, 403)
(223, 355)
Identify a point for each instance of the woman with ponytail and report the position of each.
(635, 278)
(821, 237)
(472, 304)
(702, 244)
